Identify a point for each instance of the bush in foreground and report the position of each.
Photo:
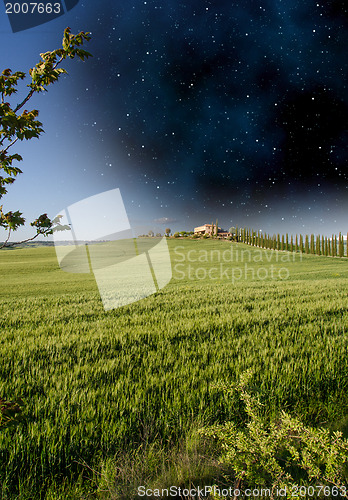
(281, 453)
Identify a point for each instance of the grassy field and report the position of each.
(98, 385)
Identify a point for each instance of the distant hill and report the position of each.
(42, 243)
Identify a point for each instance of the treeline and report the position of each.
(308, 244)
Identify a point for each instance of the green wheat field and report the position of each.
(102, 389)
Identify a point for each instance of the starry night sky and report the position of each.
(196, 110)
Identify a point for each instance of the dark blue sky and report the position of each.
(196, 110)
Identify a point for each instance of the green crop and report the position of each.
(94, 383)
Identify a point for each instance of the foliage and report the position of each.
(276, 453)
(168, 231)
(43, 224)
(17, 125)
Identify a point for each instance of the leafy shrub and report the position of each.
(278, 453)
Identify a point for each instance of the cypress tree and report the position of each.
(291, 244)
(278, 241)
(322, 245)
(282, 243)
(301, 243)
(336, 252)
(312, 250)
(326, 247)
(307, 244)
(287, 242)
(340, 246)
(296, 244)
(317, 245)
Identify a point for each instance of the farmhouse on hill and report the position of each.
(210, 229)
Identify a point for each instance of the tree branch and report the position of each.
(8, 147)
(25, 241)
(8, 237)
(26, 99)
